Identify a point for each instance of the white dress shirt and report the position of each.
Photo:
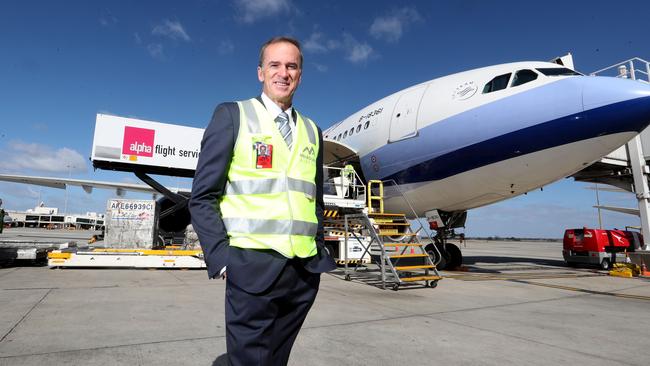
(275, 110)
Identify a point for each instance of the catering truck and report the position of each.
(599, 247)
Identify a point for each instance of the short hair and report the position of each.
(279, 39)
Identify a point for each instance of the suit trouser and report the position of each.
(261, 328)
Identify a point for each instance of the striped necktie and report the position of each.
(282, 120)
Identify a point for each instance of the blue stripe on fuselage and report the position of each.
(625, 116)
(487, 121)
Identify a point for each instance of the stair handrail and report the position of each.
(417, 218)
(632, 69)
(357, 188)
(376, 237)
(384, 257)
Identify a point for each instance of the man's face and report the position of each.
(280, 72)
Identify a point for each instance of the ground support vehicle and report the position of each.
(29, 251)
(599, 247)
(126, 258)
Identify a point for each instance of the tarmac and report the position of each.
(517, 304)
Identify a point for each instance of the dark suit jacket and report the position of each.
(251, 270)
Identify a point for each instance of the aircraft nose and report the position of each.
(624, 103)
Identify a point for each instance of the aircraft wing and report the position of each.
(607, 189)
(626, 210)
(87, 185)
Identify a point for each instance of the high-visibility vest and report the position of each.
(348, 171)
(272, 206)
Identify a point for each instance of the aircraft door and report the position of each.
(403, 122)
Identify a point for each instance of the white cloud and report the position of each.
(333, 44)
(226, 47)
(137, 38)
(317, 43)
(107, 18)
(391, 27)
(156, 50)
(251, 11)
(171, 29)
(320, 67)
(353, 50)
(18, 190)
(356, 52)
(37, 157)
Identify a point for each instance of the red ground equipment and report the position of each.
(601, 247)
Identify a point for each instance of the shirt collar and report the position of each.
(273, 108)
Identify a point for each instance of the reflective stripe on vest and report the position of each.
(258, 226)
(273, 207)
(251, 117)
(260, 186)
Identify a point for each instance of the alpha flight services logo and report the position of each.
(138, 142)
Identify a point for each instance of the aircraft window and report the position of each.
(523, 76)
(351, 131)
(498, 83)
(558, 71)
(345, 134)
(358, 128)
(339, 138)
(366, 125)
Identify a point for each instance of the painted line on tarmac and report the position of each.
(585, 291)
(57, 288)
(24, 316)
(110, 347)
(517, 276)
(9, 271)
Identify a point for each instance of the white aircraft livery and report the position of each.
(485, 135)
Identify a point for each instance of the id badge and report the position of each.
(263, 155)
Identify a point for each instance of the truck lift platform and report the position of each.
(359, 235)
(126, 258)
(343, 193)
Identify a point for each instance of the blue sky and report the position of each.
(170, 61)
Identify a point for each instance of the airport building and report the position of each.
(49, 218)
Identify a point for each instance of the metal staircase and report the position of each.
(392, 245)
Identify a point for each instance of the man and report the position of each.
(259, 221)
(349, 179)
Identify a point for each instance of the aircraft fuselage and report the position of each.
(481, 136)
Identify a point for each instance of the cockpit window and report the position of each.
(498, 83)
(523, 77)
(558, 71)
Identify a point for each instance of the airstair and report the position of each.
(391, 244)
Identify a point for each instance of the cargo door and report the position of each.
(403, 123)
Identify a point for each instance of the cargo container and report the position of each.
(599, 247)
